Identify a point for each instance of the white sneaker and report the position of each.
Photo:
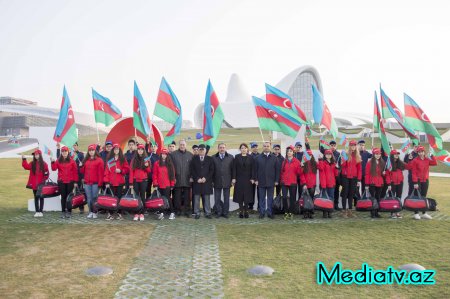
(94, 215)
(41, 214)
(417, 216)
(141, 217)
(161, 216)
(172, 216)
(426, 216)
(136, 217)
(36, 215)
(90, 215)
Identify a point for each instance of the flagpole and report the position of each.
(98, 136)
(373, 132)
(262, 136)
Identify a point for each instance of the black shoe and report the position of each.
(305, 216)
(377, 215)
(329, 215)
(240, 215)
(246, 215)
(208, 216)
(271, 216)
(225, 216)
(197, 216)
(178, 214)
(217, 216)
(261, 216)
(187, 215)
(311, 216)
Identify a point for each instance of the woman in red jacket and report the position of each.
(92, 170)
(420, 167)
(375, 171)
(115, 171)
(394, 178)
(308, 177)
(164, 179)
(139, 171)
(67, 178)
(38, 175)
(327, 176)
(351, 178)
(290, 172)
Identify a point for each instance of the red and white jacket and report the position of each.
(327, 174)
(420, 168)
(290, 171)
(161, 176)
(67, 172)
(35, 179)
(113, 178)
(93, 171)
(376, 180)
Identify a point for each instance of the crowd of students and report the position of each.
(183, 177)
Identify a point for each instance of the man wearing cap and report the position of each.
(277, 152)
(365, 156)
(172, 147)
(223, 171)
(202, 172)
(181, 160)
(267, 174)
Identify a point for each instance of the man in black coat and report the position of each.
(223, 172)
(254, 153)
(267, 175)
(277, 152)
(202, 171)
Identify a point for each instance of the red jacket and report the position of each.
(352, 169)
(161, 176)
(67, 172)
(113, 178)
(327, 174)
(309, 179)
(376, 180)
(138, 174)
(290, 171)
(93, 171)
(421, 168)
(35, 179)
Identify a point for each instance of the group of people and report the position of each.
(183, 176)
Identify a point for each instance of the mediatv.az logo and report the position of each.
(367, 275)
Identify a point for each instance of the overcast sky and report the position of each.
(355, 45)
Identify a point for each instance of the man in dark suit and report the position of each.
(202, 171)
(223, 171)
(277, 152)
(267, 174)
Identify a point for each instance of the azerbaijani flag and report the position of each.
(389, 163)
(274, 119)
(141, 119)
(47, 151)
(66, 129)
(212, 116)
(283, 101)
(416, 119)
(397, 114)
(306, 156)
(442, 155)
(322, 114)
(104, 110)
(344, 140)
(323, 143)
(405, 145)
(378, 124)
(168, 108)
(111, 163)
(344, 155)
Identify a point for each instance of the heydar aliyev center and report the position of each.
(240, 113)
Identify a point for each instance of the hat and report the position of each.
(253, 144)
(291, 147)
(116, 145)
(64, 149)
(201, 146)
(141, 146)
(362, 141)
(164, 151)
(298, 143)
(195, 146)
(394, 152)
(173, 142)
(352, 142)
(328, 152)
(376, 151)
(420, 148)
(276, 145)
(108, 142)
(92, 147)
(332, 142)
(37, 152)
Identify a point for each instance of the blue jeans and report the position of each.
(262, 192)
(330, 192)
(91, 195)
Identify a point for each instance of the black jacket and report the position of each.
(223, 170)
(202, 169)
(267, 170)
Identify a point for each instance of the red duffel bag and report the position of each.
(107, 201)
(156, 202)
(48, 189)
(390, 203)
(323, 203)
(76, 199)
(415, 202)
(130, 202)
(365, 203)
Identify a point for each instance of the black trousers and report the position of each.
(336, 192)
(182, 200)
(397, 190)
(292, 191)
(423, 189)
(278, 189)
(140, 188)
(118, 191)
(348, 191)
(65, 189)
(166, 192)
(376, 194)
(252, 202)
(149, 187)
(38, 202)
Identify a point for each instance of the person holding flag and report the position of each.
(374, 177)
(290, 172)
(115, 171)
(67, 178)
(394, 177)
(420, 167)
(351, 178)
(407, 159)
(38, 175)
(139, 171)
(308, 177)
(92, 170)
(327, 175)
